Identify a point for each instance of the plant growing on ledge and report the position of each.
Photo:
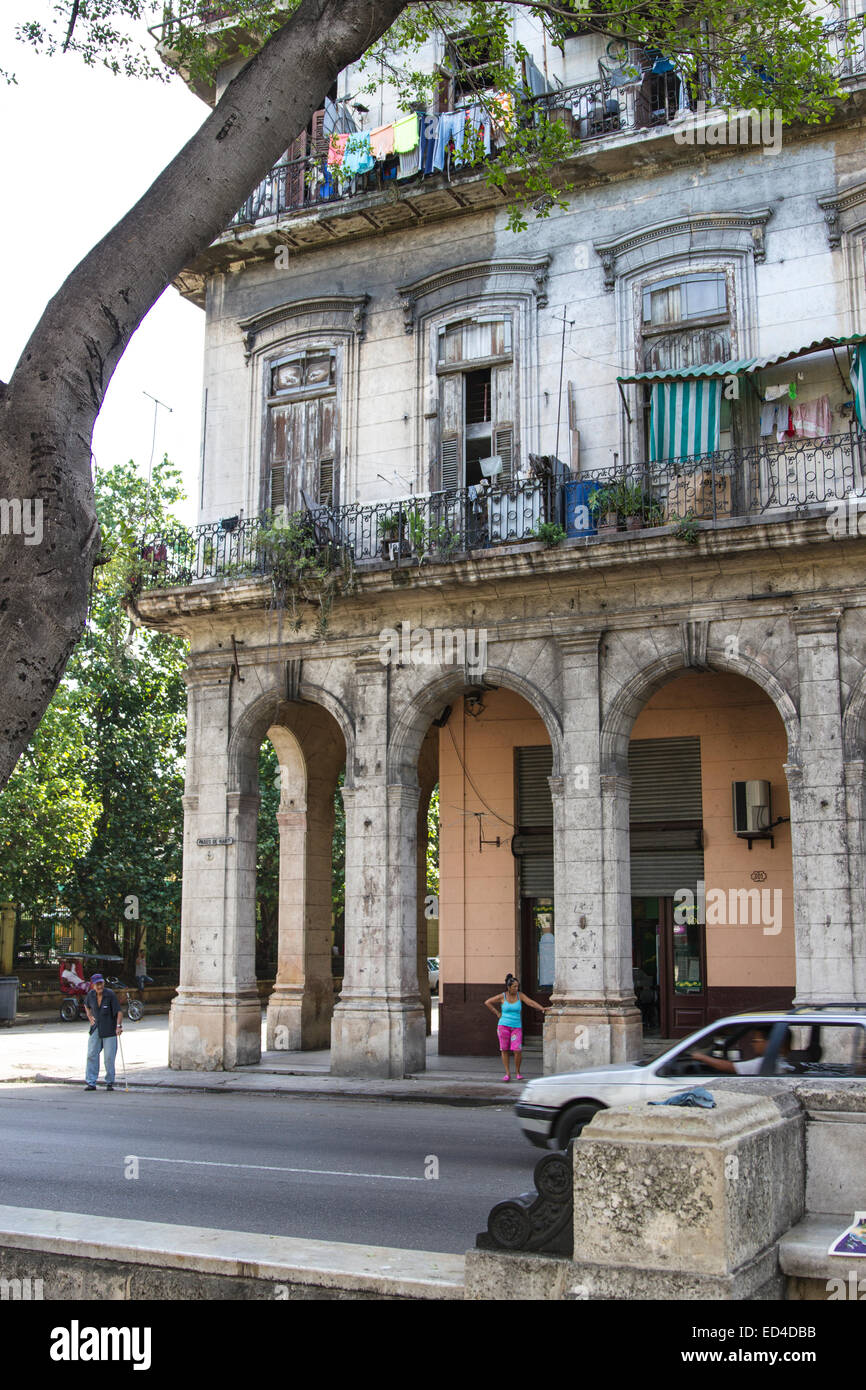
(550, 532)
(686, 528)
(302, 568)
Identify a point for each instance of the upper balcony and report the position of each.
(768, 483)
(646, 94)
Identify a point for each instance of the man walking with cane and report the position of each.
(106, 1024)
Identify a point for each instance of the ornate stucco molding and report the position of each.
(702, 232)
(345, 312)
(843, 211)
(526, 276)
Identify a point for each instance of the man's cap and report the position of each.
(97, 980)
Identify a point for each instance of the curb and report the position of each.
(465, 1099)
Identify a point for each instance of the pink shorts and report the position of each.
(510, 1039)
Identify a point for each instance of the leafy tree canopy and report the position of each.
(772, 53)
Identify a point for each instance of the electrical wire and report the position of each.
(493, 813)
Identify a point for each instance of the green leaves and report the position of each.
(94, 807)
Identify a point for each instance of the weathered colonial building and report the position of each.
(650, 736)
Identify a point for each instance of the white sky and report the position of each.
(77, 148)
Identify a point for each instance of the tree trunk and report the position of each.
(48, 409)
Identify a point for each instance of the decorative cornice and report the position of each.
(537, 270)
(833, 205)
(338, 311)
(752, 220)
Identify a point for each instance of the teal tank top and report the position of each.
(512, 1014)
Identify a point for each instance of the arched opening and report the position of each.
(712, 910)
(489, 751)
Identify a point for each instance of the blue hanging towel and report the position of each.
(698, 1096)
(358, 156)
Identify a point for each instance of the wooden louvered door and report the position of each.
(296, 185)
(451, 432)
(303, 454)
(286, 452)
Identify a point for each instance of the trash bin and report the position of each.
(578, 518)
(8, 998)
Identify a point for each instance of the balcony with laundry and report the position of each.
(635, 90)
(707, 469)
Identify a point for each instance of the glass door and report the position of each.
(669, 969)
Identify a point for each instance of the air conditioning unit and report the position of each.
(751, 803)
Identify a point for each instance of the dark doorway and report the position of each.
(537, 954)
(669, 962)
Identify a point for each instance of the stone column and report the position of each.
(855, 799)
(824, 935)
(215, 1021)
(302, 1000)
(593, 1018)
(379, 1026)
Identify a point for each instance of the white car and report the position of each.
(433, 974)
(819, 1041)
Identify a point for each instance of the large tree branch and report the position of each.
(50, 405)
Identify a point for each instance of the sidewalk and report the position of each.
(43, 1049)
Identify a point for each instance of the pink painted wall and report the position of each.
(478, 921)
(742, 738)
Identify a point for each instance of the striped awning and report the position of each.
(684, 418)
(742, 365)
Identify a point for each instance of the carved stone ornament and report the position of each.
(536, 1221)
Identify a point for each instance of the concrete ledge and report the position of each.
(804, 1260)
(90, 1257)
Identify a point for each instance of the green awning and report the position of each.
(742, 365)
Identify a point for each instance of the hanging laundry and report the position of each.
(329, 123)
(813, 419)
(768, 418)
(452, 125)
(358, 156)
(501, 108)
(409, 163)
(382, 141)
(429, 139)
(406, 134)
(784, 429)
(336, 150)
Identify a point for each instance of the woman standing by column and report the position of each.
(507, 1008)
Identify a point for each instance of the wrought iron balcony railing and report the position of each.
(766, 482)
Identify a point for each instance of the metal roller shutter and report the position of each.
(535, 812)
(665, 789)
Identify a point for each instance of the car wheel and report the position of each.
(572, 1121)
(134, 1010)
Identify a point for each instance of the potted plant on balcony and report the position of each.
(630, 505)
(391, 528)
(603, 505)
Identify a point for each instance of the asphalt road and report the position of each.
(324, 1169)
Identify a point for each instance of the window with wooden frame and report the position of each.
(302, 431)
(470, 69)
(475, 368)
(685, 322)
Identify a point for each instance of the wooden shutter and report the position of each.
(296, 172)
(319, 142)
(503, 420)
(451, 432)
(287, 440)
(326, 489)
